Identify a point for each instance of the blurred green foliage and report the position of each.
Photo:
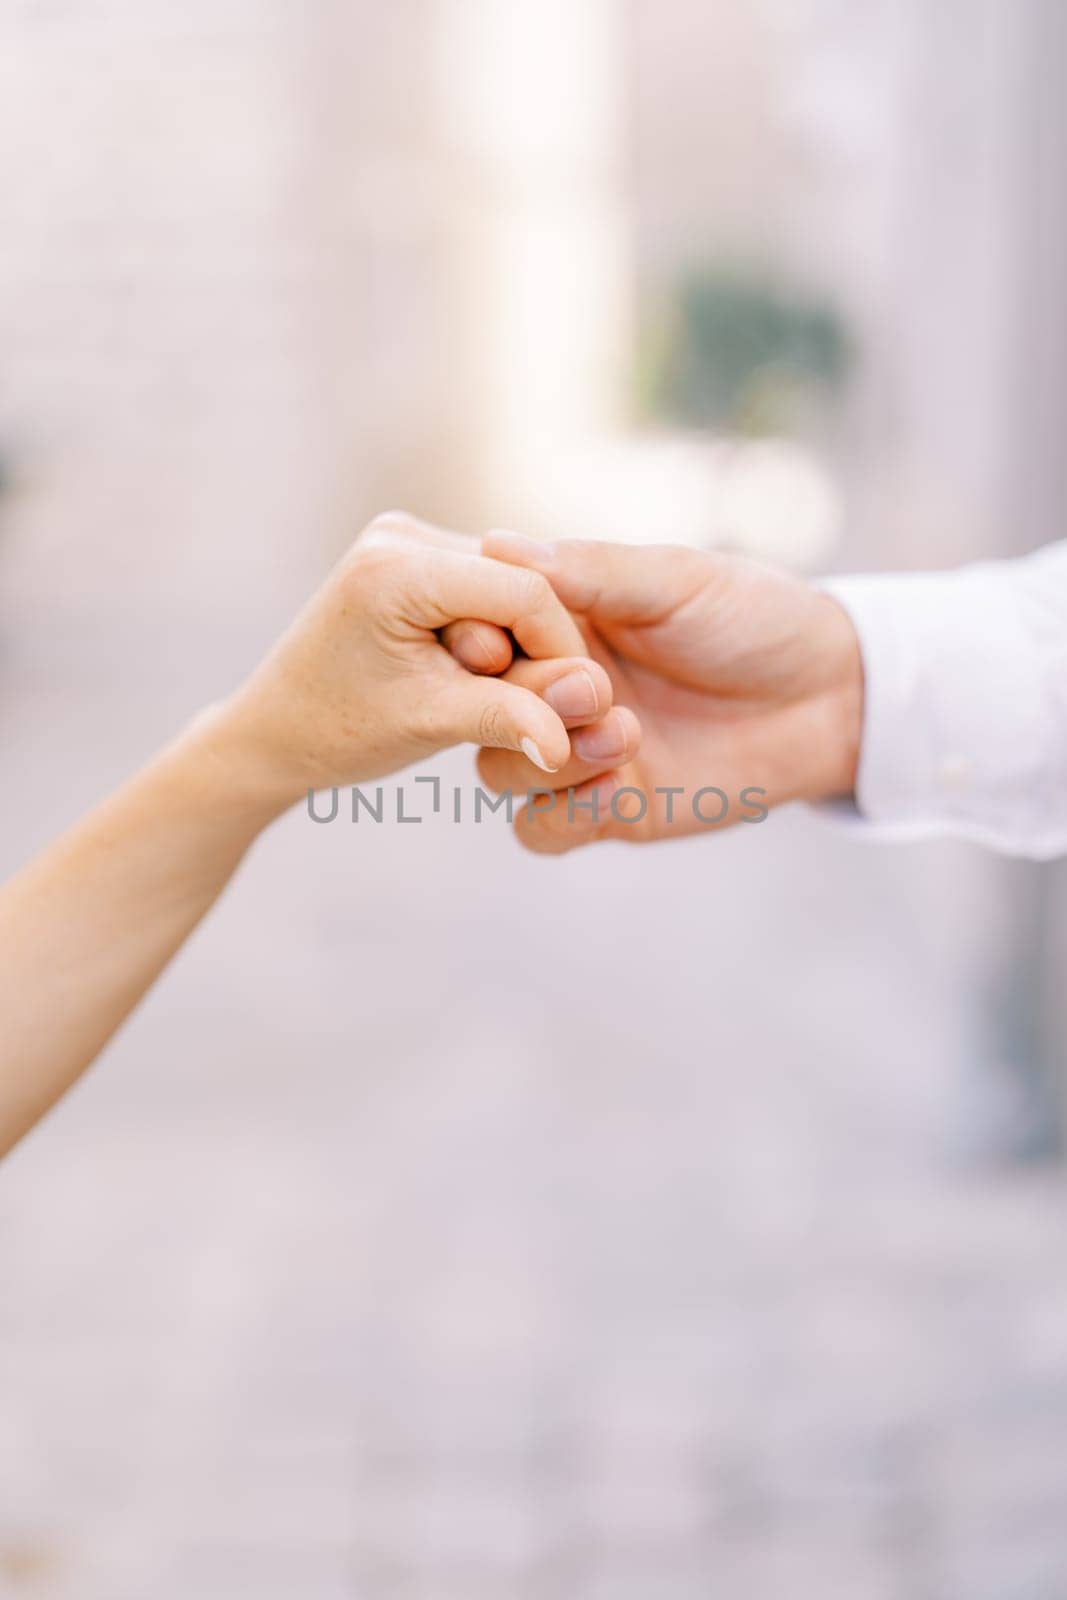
(735, 350)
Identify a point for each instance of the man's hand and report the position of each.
(743, 678)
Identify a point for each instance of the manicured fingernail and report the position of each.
(532, 753)
(523, 546)
(605, 741)
(573, 696)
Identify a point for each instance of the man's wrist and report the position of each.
(840, 705)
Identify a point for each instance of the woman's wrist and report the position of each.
(225, 768)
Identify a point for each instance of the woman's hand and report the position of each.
(358, 686)
(361, 685)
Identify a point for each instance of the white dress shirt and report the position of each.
(965, 711)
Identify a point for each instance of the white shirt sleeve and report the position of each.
(965, 702)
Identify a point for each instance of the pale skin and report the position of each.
(724, 672)
(732, 674)
(359, 686)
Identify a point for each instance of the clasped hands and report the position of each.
(642, 677)
(631, 677)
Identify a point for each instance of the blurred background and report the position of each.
(453, 1224)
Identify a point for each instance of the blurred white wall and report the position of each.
(875, 153)
(224, 291)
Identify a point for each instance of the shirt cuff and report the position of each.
(964, 725)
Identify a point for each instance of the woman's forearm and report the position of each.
(358, 686)
(87, 927)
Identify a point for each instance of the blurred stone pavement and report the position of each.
(453, 1224)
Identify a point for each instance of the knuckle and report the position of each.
(390, 525)
(532, 591)
(492, 724)
(372, 538)
(370, 564)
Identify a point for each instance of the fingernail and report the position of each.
(573, 696)
(605, 741)
(532, 753)
(471, 649)
(533, 549)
